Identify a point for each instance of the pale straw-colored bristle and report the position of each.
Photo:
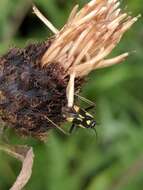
(73, 14)
(70, 90)
(110, 62)
(44, 20)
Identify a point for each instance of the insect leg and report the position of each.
(89, 108)
(56, 126)
(72, 128)
(85, 100)
(95, 133)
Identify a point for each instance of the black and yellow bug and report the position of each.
(81, 118)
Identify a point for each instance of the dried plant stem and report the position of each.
(25, 172)
(26, 156)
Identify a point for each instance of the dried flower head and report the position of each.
(88, 37)
(39, 81)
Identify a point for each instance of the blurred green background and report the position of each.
(114, 160)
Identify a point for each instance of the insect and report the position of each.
(80, 117)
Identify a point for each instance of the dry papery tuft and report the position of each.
(87, 38)
(38, 82)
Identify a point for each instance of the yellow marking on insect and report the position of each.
(88, 114)
(79, 119)
(70, 119)
(76, 108)
(81, 116)
(88, 122)
(81, 126)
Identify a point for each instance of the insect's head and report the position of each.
(93, 124)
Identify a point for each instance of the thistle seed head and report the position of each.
(39, 81)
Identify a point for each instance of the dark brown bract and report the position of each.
(28, 93)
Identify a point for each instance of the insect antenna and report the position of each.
(85, 100)
(59, 128)
(95, 133)
(72, 128)
(92, 104)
